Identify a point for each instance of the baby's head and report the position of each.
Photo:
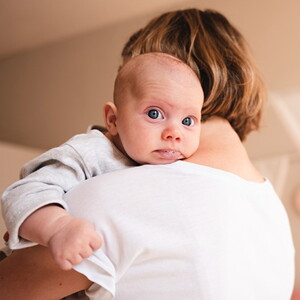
(156, 114)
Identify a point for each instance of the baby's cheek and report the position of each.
(195, 145)
(135, 152)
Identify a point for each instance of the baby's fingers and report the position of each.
(96, 242)
(87, 252)
(68, 264)
(64, 264)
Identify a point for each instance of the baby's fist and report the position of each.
(75, 240)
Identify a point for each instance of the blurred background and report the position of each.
(58, 60)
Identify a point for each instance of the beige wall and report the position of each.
(51, 93)
(12, 158)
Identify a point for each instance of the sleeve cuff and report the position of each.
(15, 241)
(99, 269)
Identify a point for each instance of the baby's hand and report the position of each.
(74, 240)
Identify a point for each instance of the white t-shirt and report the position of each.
(184, 231)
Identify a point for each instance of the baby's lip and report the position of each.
(169, 154)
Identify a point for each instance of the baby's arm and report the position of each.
(46, 179)
(69, 239)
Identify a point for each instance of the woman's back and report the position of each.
(185, 231)
(213, 227)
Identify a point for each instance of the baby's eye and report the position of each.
(154, 114)
(188, 121)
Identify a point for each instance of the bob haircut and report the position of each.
(219, 55)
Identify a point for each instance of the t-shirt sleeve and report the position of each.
(99, 269)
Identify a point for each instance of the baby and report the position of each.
(155, 119)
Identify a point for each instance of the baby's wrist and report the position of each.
(41, 225)
(56, 225)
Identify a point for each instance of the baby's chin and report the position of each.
(161, 157)
(161, 162)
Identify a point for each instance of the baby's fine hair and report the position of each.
(219, 55)
(130, 71)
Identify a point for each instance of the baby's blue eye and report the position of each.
(188, 121)
(154, 114)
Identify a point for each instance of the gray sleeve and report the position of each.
(47, 178)
(44, 181)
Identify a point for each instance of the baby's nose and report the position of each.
(171, 134)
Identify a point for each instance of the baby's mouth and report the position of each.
(169, 154)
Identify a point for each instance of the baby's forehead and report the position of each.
(140, 62)
(152, 68)
(156, 65)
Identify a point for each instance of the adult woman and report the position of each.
(232, 108)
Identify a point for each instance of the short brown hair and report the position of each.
(218, 53)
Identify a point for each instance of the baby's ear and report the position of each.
(110, 117)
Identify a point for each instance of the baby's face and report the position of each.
(159, 119)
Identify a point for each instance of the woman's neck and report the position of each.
(221, 148)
